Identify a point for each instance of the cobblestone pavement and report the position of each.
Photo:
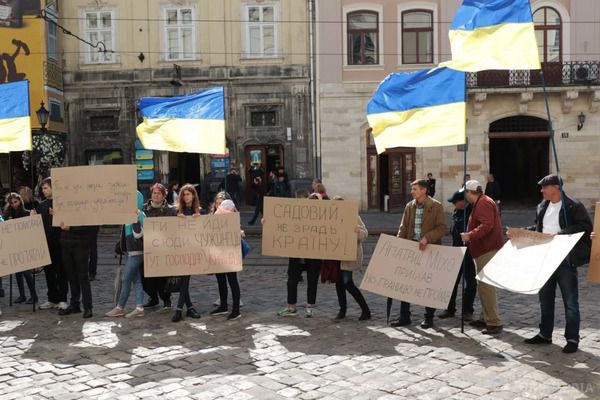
(263, 356)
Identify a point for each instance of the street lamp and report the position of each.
(42, 115)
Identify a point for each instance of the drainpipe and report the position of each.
(316, 134)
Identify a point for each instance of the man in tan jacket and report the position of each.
(424, 222)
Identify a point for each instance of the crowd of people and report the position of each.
(476, 224)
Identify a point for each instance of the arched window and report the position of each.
(548, 32)
(363, 38)
(417, 37)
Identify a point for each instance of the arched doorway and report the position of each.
(519, 157)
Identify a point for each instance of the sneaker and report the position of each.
(62, 305)
(234, 315)
(19, 300)
(115, 312)
(137, 312)
(537, 339)
(151, 303)
(192, 313)
(427, 323)
(87, 313)
(308, 312)
(287, 312)
(70, 309)
(48, 305)
(219, 311)
(571, 347)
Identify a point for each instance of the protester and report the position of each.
(56, 276)
(460, 216)
(29, 201)
(314, 184)
(157, 206)
(280, 187)
(558, 214)
(75, 244)
(271, 179)
(430, 185)
(15, 208)
(320, 189)
(423, 221)
(295, 267)
(132, 244)
(258, 197)
(345, 281)
(227, 207)
(173, 194)
(484, 239)
(188, 206)
(232, 185)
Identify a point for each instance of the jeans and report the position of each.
(258, 210)
(184, 294)
(132, 275)
(470, 287)
(30, 285)
(566, 279)
(312, 280)
(222, 280)
(76, 253)
(56, 276)
(346, 283)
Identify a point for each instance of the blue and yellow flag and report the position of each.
(191, 124)
(15, 124)
(493, 34)
(419, 109)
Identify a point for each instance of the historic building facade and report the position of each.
(258, 50)
(507, 119)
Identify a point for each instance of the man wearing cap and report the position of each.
(462, 211)
(424, 222)
(558, 214)
(484, 238)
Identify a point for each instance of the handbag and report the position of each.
(173, 284)
(245, 248)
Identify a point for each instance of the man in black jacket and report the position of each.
(56, 277)
(560, 215)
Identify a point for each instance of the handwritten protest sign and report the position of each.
(526, 262)
(192, 245)
(398, 269)
(23, 245)
(594, 268)
(320, 229)
(94, 195)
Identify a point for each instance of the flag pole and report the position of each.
(464, 264)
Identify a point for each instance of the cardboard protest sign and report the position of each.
(23, 245)
(526, 262)
(94, 195)
(319, 229)
(594, 268)
(398, 269)
(206, 244)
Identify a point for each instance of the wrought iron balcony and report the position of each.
(572, 73)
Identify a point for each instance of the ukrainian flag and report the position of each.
(191, 124)
(15, 124)
(419, 109)
(493, 34)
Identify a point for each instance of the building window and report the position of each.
(104, 123)
(99, 28)
(417, 37)
(263, 118)
(363, 38)
(180, 33)
(55, 112)
(104, 157)
(261, 31)
(52, 40)
(548, 32)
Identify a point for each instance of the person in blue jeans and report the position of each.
(558, 214)
(132, 244)
(188, 205)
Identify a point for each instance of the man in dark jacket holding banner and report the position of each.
(558, 214)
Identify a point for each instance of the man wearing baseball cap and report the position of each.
(484, 239)
(558, 214)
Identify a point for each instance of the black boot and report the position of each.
(341, 315)
(365, 315)
(178, 316)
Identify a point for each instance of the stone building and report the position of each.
(258, 50)
(507, 119)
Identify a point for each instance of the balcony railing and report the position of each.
(572, 73)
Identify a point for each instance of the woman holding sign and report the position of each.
(188, 205)
(15, 208)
